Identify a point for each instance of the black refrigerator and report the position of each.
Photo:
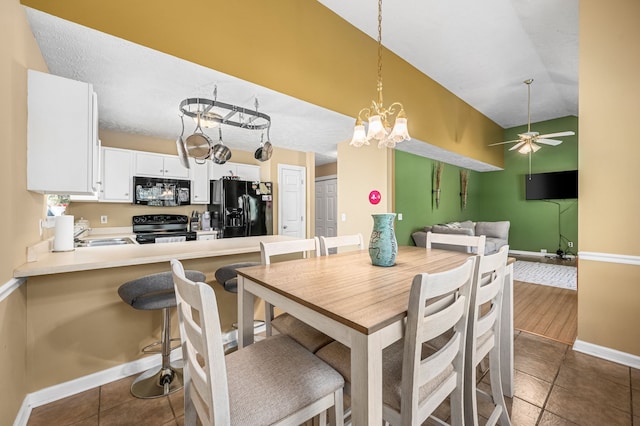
(241, 208)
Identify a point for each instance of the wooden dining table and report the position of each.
(358, 304)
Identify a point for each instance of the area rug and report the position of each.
(562, 276)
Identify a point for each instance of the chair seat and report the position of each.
(301, 332)
(281, 369)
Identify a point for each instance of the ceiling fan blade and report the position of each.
(557, 135)
(501, 143)
(518, 145)
(553, 142)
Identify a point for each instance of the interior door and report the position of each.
(326, 207)
(292, 195)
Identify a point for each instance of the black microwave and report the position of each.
(161, 192)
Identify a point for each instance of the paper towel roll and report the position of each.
(63, 238)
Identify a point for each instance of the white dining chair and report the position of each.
(416, 378)
(483, 337)
(327, 244)
(285, 323)
(452, 241)
(272, 382)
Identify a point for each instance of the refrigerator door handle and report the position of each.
(247, 215)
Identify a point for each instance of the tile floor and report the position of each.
(554, 386)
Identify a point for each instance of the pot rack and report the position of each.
(213, 112)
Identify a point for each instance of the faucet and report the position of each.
(76, 235)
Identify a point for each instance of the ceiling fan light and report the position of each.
(535, 147)
(359, 136)
(525, 149)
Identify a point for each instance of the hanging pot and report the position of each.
(263, 153)
(182, 150)
(199, 145)
(220, 153)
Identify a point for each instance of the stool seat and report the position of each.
(156, 291)
(228, 277)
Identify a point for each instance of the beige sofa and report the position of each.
(497, 234)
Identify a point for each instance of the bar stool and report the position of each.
(156, 291)
(228, 279)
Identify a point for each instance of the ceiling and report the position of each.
(480, 51)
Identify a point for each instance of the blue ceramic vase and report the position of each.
(383, 247)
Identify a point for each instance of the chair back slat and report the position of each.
(458, 240)
(329, 243)
(304, 246)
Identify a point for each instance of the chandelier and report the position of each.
(378, 116)
(210, 113)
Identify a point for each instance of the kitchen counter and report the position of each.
(91, 258)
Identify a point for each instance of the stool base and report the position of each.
(159, 382)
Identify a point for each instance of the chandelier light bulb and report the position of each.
(376, 128)
(359, 136)
(400, 131)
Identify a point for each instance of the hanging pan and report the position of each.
(182, 150)
(263, 153)
(198, 144)
(220, 153)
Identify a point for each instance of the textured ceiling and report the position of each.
(480, 51)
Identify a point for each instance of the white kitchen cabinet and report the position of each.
(63, 149)
(159, 165)
(243, 171)
(117, 177)
(199, 182)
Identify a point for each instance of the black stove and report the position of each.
(162, 228)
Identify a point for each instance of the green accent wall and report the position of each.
(494, 196)
(415, 200)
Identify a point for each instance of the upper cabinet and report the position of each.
(63, 149)
(117, 180)
(243, 171)
(159, 165)
(199, 182)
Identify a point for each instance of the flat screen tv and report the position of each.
(552, 186)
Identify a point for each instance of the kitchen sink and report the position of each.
(98, 242)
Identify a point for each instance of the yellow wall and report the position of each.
(361, 171)
(298, 48)
(21, 209)
(327, 169)
(609, 293)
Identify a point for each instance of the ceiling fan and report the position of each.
(528, 142)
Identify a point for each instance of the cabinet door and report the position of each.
(217, 171)
(173, 168)
(199, 182)
(149, 164)
(248, 172)
(61, 135)
(117, 179)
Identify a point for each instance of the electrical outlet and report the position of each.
(570, 244)
(399, 216)
(103, 219)
(543, 251)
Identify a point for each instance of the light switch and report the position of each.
(399, 216)
(343, 216)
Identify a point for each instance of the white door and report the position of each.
(326, 207)
(293, 197)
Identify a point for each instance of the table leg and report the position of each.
(366, 380)
(245, 314)
(506, 333)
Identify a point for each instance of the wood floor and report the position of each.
(546, 311)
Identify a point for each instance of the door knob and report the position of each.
(284, 227)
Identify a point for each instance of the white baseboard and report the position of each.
(536, 254)
(81, 384)
(10, 286)
(607, 353)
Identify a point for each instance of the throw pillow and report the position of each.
(442, 229)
